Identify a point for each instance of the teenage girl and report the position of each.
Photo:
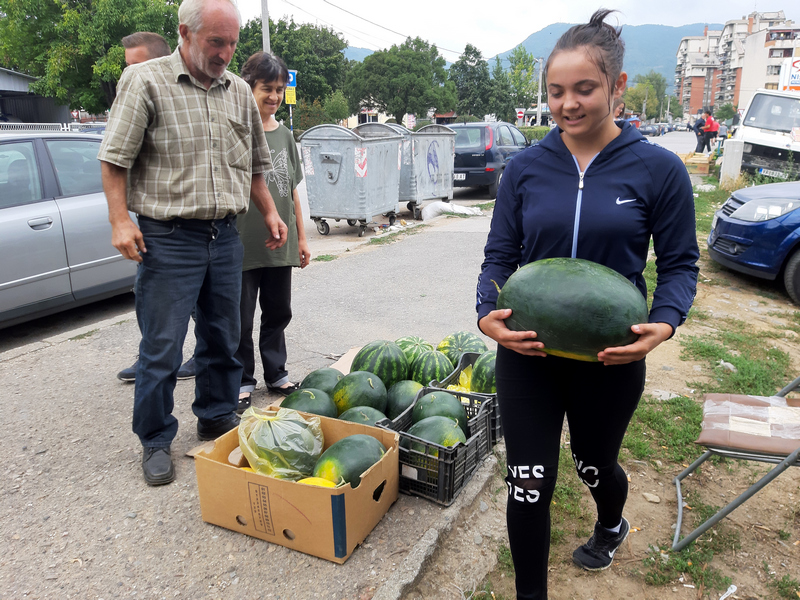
(267, 274)
(596, 190)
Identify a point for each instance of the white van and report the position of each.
(770, 130)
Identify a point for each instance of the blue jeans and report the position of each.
(188, 263)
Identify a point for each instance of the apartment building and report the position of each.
(765, 52)
(710, 67)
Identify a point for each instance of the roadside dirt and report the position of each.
(460, 564)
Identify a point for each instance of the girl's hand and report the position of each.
(305, 253)
(494, 326)
(650, 336)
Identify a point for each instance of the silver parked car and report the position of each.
(55, 238)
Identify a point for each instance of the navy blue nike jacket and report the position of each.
(630, 191)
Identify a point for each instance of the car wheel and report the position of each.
(493, 187)
(791, 277)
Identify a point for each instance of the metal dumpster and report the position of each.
(349, 176)
(427, 155)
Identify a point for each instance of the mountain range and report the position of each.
(647, 47)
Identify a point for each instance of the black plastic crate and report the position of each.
(468, 359)
(439, 473)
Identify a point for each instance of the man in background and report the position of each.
(140, 47)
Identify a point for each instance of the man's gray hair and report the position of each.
(190, 14)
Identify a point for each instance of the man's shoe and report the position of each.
(187, 369)
(598, 553)
(157, 465)
(128, 374)
(211, 431)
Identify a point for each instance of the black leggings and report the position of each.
(534, 394)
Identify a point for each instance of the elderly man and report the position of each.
(184, 149)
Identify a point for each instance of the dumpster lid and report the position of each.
(380, 130)
(329, 132)
(435, 129)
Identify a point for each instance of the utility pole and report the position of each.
(644, 105)
(539, 95)
(265, 25)
(669, 119)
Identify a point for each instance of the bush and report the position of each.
(297, 133)
(534, 133)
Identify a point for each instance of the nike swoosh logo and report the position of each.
(625, 201)
(611, 553)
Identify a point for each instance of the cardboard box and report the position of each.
(325, 522)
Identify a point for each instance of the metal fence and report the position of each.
(48, 126)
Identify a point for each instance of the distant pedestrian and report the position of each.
(184, 150)
(699, 133)
(710, 130)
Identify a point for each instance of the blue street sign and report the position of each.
(292, 79)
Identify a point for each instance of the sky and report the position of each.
(492, 27)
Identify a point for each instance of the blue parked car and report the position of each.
(757, 231)
(482, 152)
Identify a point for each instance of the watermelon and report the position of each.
(311, 400)
(455, 344)
(440, 404)
(360, 388)
(576, 307)
(436, 430)
(346, 460)
(383, 358)
(400, 396)
(322, 379)
(429, 366)
(362, 414)
(412, 346)
(483, 378)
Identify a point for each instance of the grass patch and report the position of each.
(324, 258)
(664, 429)
(568, 508)
(759, 368)
(390, 238)
(485, 205)
(785, 587)
(83, 336)
(705, 205)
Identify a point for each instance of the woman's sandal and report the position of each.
(285, 390)
(245, 399)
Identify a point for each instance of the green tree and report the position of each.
(522, 77)
(405, 79)
(336, 108)
(635, 98)
(657, 96)
(470, 75)
(309, 114)
(316, 53)
(725, 112)
(501, 100)
(675, 107)
(73, 46)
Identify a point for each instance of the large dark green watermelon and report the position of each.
(436, 430)
(383, 358)
(311, 401)
(483, 374)
(440, 404)
(362, 414)
(360, 388)
(456, 344)
(576, 307)
(400, 396)
(347, 459)
(429, 366)
(322, 379)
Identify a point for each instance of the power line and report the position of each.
(342, 29)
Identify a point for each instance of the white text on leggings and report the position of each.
(524, 472)
(585, 470)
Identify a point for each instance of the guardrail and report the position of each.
(34, 127)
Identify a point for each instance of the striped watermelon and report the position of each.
(430, 365)
(483, 380)
(413, 346)
(383, 358)
(455, 344)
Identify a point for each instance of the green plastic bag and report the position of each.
(282, 443)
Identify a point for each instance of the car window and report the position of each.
(519, 139)
(77, 167)
(19, 174)
(505, 136)
(469, 137)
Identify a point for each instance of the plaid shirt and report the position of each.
(190, 152)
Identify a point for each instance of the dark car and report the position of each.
(483, 151)
(55, 237)
(757, 231)
(648, 130)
